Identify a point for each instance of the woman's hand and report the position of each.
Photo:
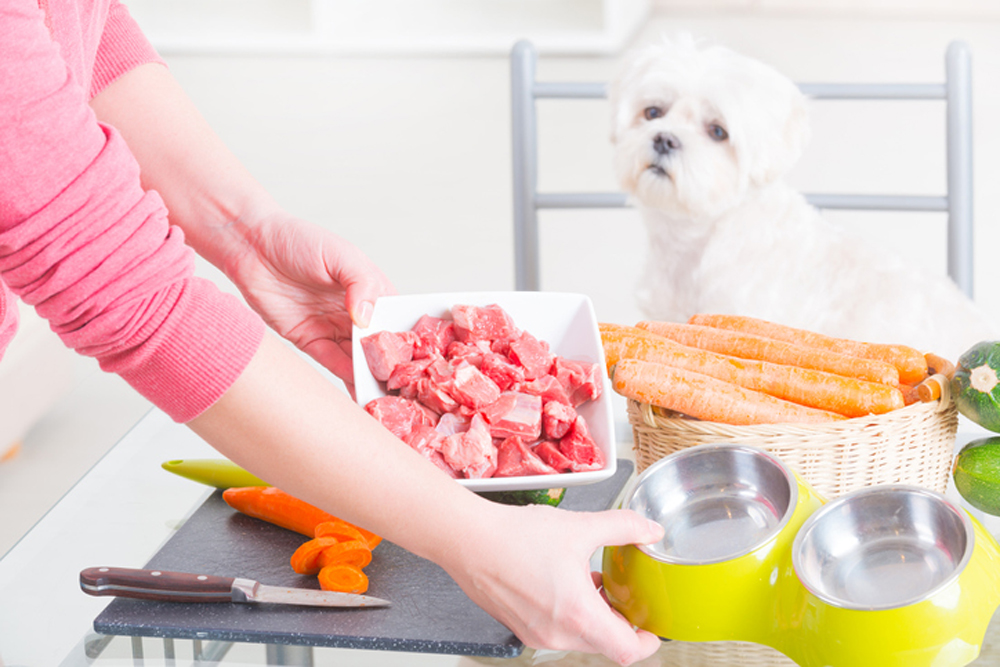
(536, 578)
(308, 284)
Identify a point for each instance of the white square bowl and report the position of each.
(565, 321)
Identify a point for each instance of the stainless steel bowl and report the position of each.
(715, 502)
(882, 548)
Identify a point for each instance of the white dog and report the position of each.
(702, 138)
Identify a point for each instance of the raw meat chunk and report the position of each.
(384, 350)
(436, 396)
(548, 387)
(472, 388)
(434, 335)
(407, 373)
(482, 323)
(450, 423)
(514, 413)
(580, 448)
(472, 352)
(556, 419)
(428, 441)
(399, 415)
(501, 371)
(548, 452)
(531, 354)
(472, 453)
(582, 381)
(514, 459)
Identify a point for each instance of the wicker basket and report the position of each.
(912, 445)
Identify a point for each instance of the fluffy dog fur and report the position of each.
(703, 137)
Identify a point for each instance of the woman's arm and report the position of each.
(527, 566)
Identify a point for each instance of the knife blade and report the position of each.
(186, 587)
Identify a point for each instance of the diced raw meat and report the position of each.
(581, 380)
(424, 439)
(436, 396)
(451, 423)
(556, 419)
(384, 350)
(531, 354)
(482, 323)
(514, 413)
(501, 371)
(580, 448)
(548, 387)
(472, 453)
(434, 335)
(407, 373)
(472, 388)
(399, 415)
(471, 352)
(440, 370)
(548, 452)
(515, 459)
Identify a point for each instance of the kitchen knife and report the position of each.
(183, 587)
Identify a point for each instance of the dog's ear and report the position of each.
(772, 137)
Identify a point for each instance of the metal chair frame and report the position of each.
(956, 91)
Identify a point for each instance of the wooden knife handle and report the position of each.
(156, 585)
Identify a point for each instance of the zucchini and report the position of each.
(976, 384)
(977, 474)
(526, 497)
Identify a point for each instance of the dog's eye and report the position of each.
(649, 113)
(717, 132)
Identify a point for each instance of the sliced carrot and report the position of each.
(706, 398)
(752, 346)
(273, 505)
(343, 578)
(306, 559)
(355, 552)
(909, 362)
(345, 531)
(818, 389)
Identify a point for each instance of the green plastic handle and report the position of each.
(220, 473)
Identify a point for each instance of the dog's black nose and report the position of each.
(665, 142)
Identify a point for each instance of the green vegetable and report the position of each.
(526, 497)
(976, 384)
(977, 474)
(220, 473)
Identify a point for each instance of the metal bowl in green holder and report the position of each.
(888, 576)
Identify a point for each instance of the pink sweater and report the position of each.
(80, 240)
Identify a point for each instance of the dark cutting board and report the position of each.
(429, 612)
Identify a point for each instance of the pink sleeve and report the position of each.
(90, 250)
(123, 46)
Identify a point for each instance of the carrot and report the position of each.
(941, 371)
(909, 362)
(306, 559)
(703, 397)
(273, 505)
(345, 531)
(343, 578)
(355, 552)
(939, 365)
(751, 346)
(818, 389)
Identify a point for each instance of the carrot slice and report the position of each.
(703, 397)
(343, 578)
(345, 531)
(818, 389)
(752, 346)
(355, 552)
(306, 559)
(909, 362)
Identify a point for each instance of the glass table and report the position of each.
(121, 513)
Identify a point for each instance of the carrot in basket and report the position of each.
(273, 505)
(343, 578)
(941, 370)
(910, 363)
(706, 398)
(818, 389)
(751, 346)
